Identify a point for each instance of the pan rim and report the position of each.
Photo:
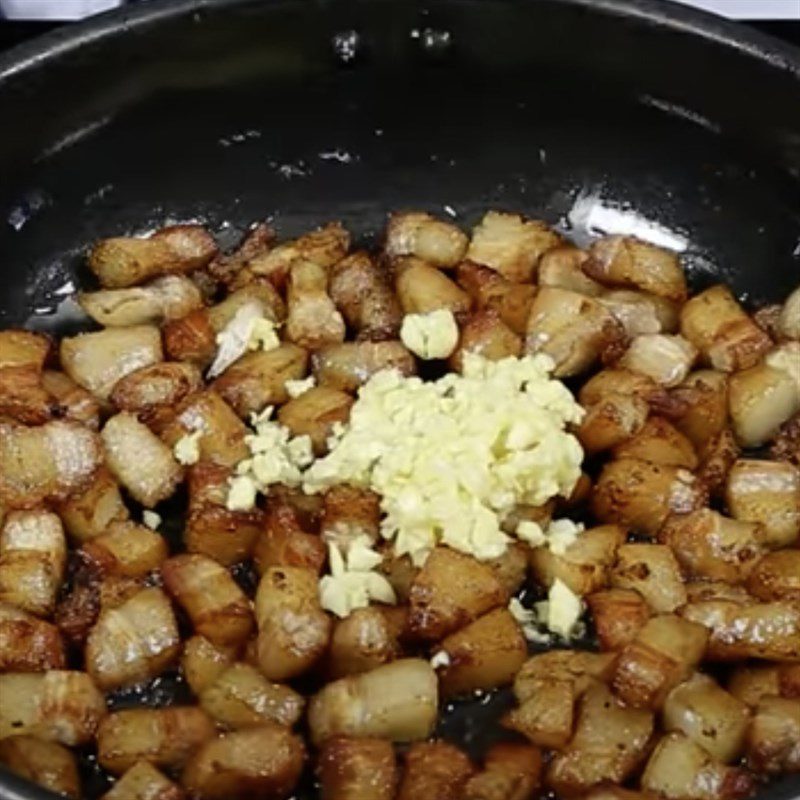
(747, 41)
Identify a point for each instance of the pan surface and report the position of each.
(615, 115)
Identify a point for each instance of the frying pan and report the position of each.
(617, 115)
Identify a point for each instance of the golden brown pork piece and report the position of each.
(773, 740)
(164, 737)
(217, 607)
(241, 697)
(681, 769)
(585, 564)
(451, 590)
(571, 328)
(323, 247)
(134, 641)
(139, 460)
(727, 338)
(664, 653)
(211, 529)
(96, 361)
(144, 782)
(126, 550)
(74, 402)
(766, 493)
(435, 769)
(511, 245)
(713, 718)
(154, 392)
(562, 267)
(786, 444)
(349, 365)
(666, 358)
(23, 398)
(640, 496)
(285, 541)
(483, 655)
(222, 437)
(33, 556)
(28, 644)
(609, 743)
(705, 394)
(202, 662)
(422, 288)
(363, 294)
(263, 762)
(361, 642)
(396, 701)
(357, 769)
(258, 379)
(741, 627)
(629, 262)
(490, 290)
(165, 299)
(19, 348)
(314, 413)
(712, 546)
(57, 706)
(293, 630)
(761, 399)
(510, 771)
(47, 764)
(89, 512)
(126, 261)
(312, 320)
(415, 233)
(486, 335)
(46, 463)
(618, 616)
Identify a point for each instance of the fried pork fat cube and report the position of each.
(363, 293)
(144, 782)
(165, 299)
(127, 261)
(139, 460)
(48, 764)
(263, 762)
(28, 644)
(396, 701)
(96, 361)
(511, 245)
(33, 555)
(134, 641)
(357, 769)
(416, 233)
(57, 706)
(164, 737)
(241, 697)
(46, 463)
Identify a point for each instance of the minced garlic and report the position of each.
(451, 458)
(294, 388)
(187, 448)
(352, 582)
(431, 335)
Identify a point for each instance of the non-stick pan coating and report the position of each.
(302, 112)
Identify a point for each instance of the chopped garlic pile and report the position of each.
(431, 335)
(451, 458)
(247, 330)
(352, 582)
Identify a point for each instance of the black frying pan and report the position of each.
(236, 110)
